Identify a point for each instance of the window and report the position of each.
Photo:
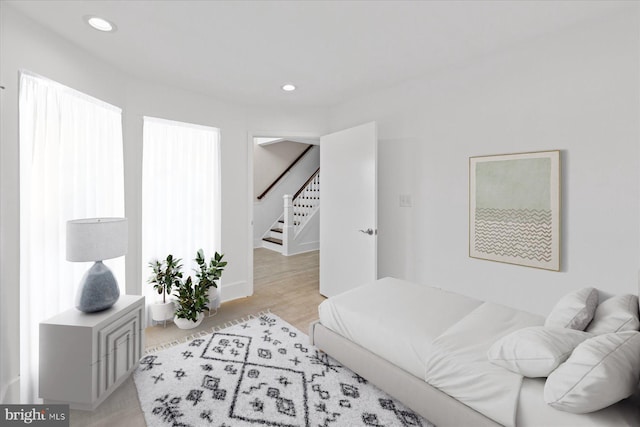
(71, 167)
(180, 193)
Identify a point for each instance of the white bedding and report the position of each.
(534, 412)
(395, 319)
(420, 329)
(457, 363)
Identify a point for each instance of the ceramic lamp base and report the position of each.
(98, 289)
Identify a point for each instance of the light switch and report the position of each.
(405, 200)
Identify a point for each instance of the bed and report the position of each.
(428, 348)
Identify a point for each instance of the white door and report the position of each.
(348, 217)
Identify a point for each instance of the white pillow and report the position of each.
(617, 314)
(600, 372)
(574, 310)
(535, 351)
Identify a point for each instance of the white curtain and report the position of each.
(71, 167)
(180, 194)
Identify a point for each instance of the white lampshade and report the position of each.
(96, 239)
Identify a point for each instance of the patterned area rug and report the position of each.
(261, 372)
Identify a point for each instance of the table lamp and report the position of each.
(96, 239)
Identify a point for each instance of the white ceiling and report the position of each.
(243, 51)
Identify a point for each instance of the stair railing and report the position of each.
(273, 184)
(299, 208)
(287, 228)
(306, 201)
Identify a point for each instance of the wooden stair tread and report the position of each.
(277, 230)
(273, 240)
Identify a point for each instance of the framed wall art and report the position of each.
(514, 209)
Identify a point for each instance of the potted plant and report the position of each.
(193, 296)
(192, 301)
(166, 275)
(209, 274)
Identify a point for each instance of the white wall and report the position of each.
(575, 90)
(26, 45)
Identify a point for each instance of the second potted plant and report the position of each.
(209, 274)
(191, 304)
(193, 296)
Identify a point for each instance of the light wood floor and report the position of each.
(287, 286)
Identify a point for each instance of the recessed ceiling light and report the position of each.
(100, 24)
(288, 87)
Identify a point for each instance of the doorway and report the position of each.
(349, 219)
(279, 163)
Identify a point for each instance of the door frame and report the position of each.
(250, 136)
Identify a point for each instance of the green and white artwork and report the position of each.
(515, 209)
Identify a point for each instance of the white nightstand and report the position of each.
(85, 356)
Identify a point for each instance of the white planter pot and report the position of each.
(214, 299)
(162, 311)
(186, 323)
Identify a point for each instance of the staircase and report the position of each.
(297, 211)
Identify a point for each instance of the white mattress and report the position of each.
(395, 319)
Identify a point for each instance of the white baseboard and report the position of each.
(10, 393)
(231, 291)
(305, 247)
